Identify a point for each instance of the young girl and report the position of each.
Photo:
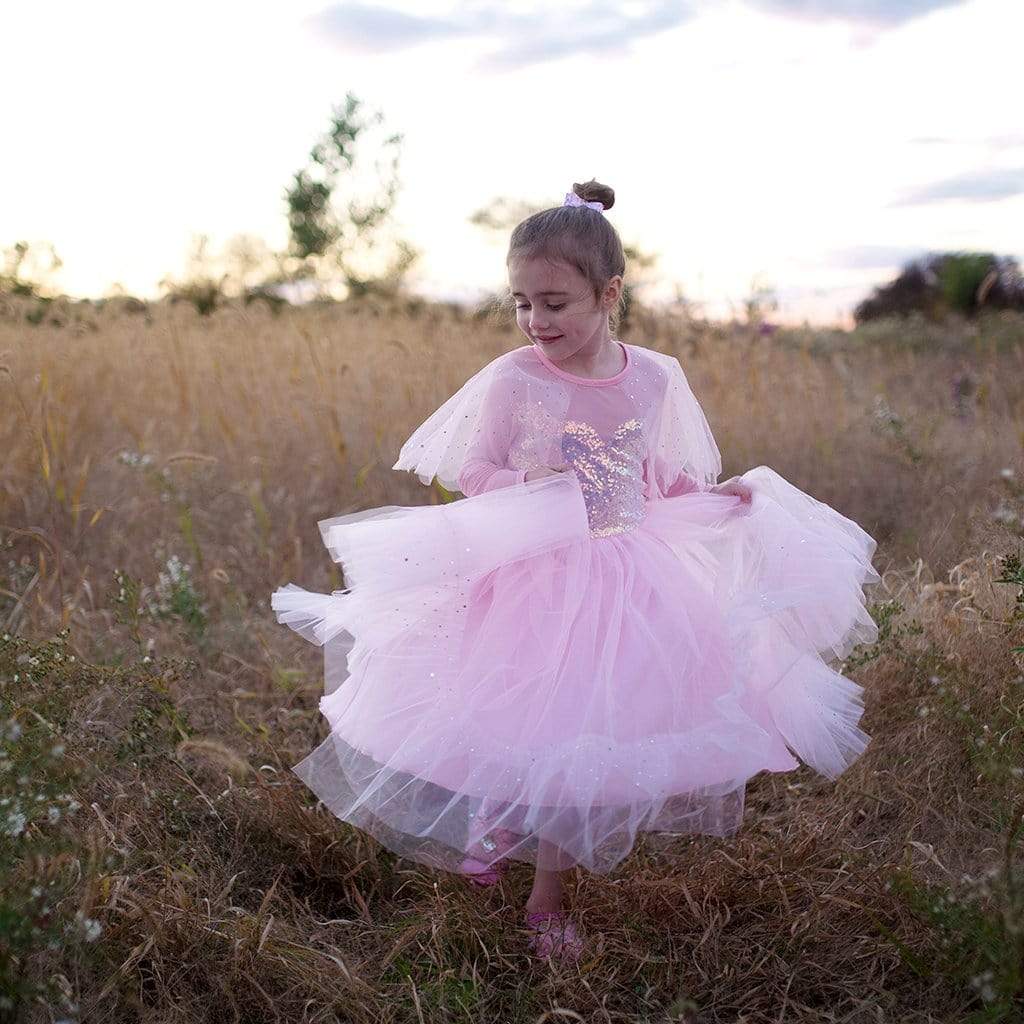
(598, 640)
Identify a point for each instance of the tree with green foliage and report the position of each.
(200, 285)
(332, 239)
(949, 282)
(27, 265)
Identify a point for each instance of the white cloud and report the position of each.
(870, 257)
(982, 186)
(369, 29)
(868, 12)
(536, 35)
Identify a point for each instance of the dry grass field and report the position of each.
(161, 473)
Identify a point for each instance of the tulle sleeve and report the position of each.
(484, 468)
(465, 441)
(684, 456)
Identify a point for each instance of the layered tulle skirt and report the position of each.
(492, 669)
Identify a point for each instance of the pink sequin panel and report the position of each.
(610, 472)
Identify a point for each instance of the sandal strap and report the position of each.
(540, 916)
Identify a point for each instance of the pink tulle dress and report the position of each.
(571, 661)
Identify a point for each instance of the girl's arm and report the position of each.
(485, 467)
(680, 482)
(481, 475)
(683, 484)
(668, 482)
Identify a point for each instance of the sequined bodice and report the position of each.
(610, 472)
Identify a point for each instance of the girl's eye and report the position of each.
(553, 308)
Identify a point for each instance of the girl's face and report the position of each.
(556, 310)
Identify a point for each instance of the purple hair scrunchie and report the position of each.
(571, 199)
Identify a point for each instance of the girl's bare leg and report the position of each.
(546, 894)
(553, 935)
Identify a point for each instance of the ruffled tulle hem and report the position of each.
(437, 827)
(504, 670)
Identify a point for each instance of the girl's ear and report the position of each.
(611, 292)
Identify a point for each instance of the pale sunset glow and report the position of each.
(749, 143)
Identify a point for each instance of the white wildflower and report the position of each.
(1004, 514)
(15, 824)
(130, 458)
(91, 928)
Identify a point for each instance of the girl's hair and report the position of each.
(577, 235)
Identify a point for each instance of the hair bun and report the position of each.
(594, 192)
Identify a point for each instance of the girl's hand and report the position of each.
(733, 486)
(541, 471)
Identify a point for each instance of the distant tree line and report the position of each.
(340, 240)
(341, 244)
(949, 282)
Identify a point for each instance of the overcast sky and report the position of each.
(808, 146)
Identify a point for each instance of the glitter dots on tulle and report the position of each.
(610, 472)
(538, 428)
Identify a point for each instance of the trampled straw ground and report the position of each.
(163, 472)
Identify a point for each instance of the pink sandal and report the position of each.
(478, 871)
(481, 874)
(553, 933)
